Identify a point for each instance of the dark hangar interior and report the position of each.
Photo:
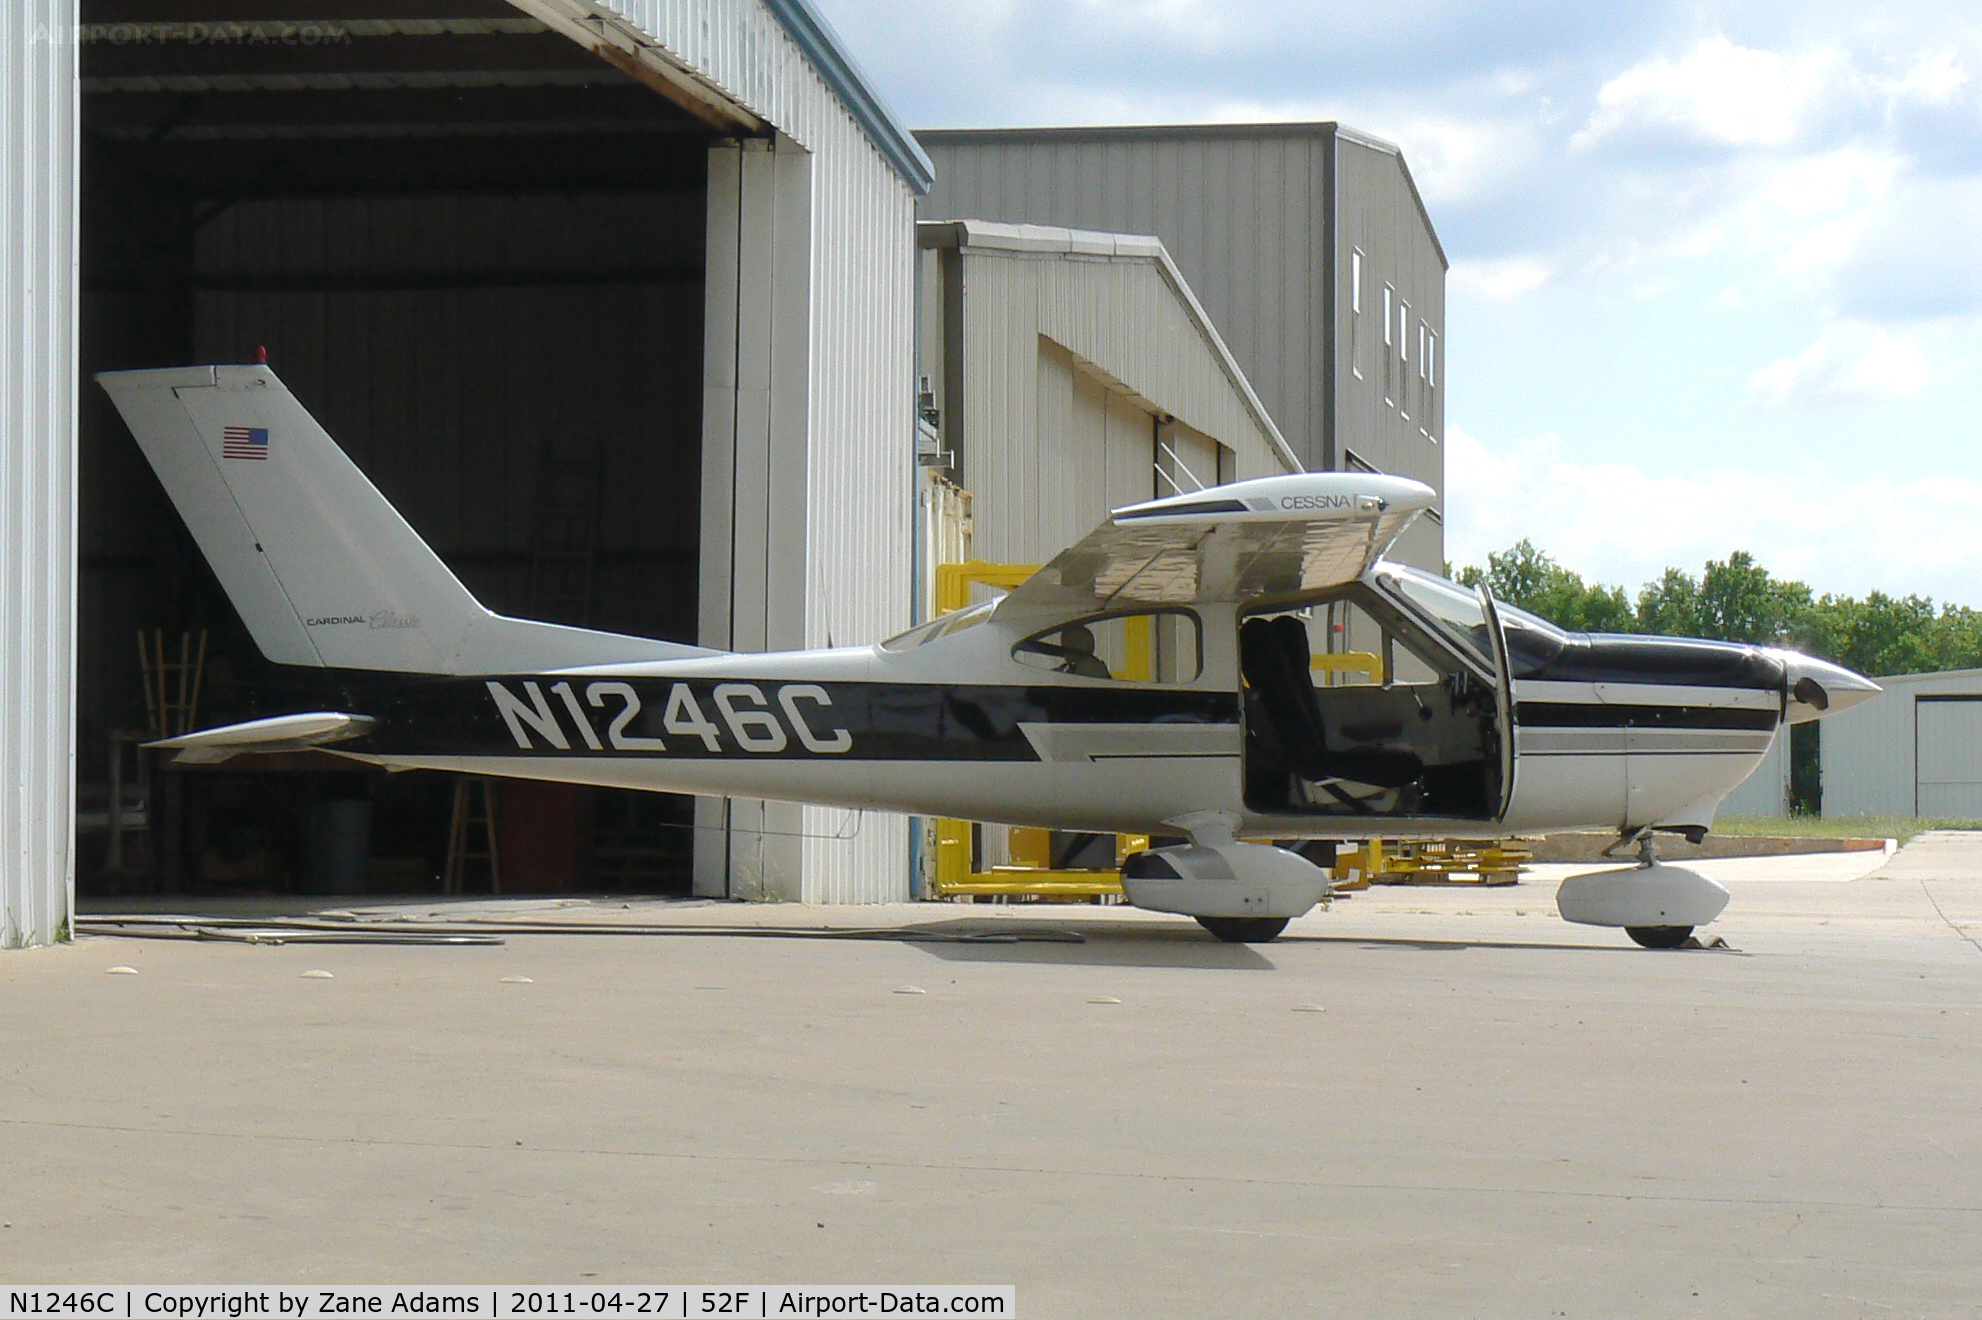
(474, 248)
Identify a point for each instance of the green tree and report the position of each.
(1878, 635)
(1529, 577)
(1671, 606)
(1736, 599)
(1740, 602)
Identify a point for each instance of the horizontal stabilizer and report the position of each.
(282, 733)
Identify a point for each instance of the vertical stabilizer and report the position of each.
(321, 568)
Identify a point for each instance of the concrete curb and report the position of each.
(1589, 847)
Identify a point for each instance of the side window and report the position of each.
(1152, 646)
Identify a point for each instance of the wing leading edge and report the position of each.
(1274, 536)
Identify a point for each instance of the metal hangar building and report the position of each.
(624, 307)
(1307, 244)
(614, 302)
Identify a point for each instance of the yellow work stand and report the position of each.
(1431, 862)
(1031, 873)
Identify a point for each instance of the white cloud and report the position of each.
(1717, 92)
(1919, 252)
(1454, 160)
(1850, 362)
(1616, 523)
(1808, 212)
(1202, 25)
(1935, 79)
(1498, 279)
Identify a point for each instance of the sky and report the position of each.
(1716, 269)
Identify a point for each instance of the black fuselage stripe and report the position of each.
(756, 718)
(1606, 715)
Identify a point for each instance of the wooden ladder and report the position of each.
(172, 687)
(461, 833)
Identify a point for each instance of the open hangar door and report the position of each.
(476, 250)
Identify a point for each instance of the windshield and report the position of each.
(1452, 607)
(946, 626)
(1531, 641)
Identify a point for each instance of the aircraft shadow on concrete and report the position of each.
(1172, 944)
(1090, 943)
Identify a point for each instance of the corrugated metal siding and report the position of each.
(38, 122)
(862, 499)
(1377, 213)
(1766, 792)
(861, 389)
(1242, 217)
(1005, 466)
(1069, 360)
(1245, 213)
(1122, 316)
(1869, 752)
(740, 47)
(1948, 757)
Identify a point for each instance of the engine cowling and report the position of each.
(1224, 880)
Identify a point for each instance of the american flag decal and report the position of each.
(244, 442)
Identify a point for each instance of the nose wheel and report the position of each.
(1659, 937)
(1655, 937)
(1244, 930)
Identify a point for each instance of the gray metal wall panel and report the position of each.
(860, 484)
(1764, 793)
(743, 50)
(38, 124)
(1067, 353)
(1869, 752)
(1234, 214)
(1378, 215)
(1947, 738)
(1244, 212)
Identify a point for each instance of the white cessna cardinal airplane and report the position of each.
(1152, 679)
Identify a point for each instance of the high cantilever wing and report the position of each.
(1276, 536)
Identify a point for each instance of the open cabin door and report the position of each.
(1505, 724)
